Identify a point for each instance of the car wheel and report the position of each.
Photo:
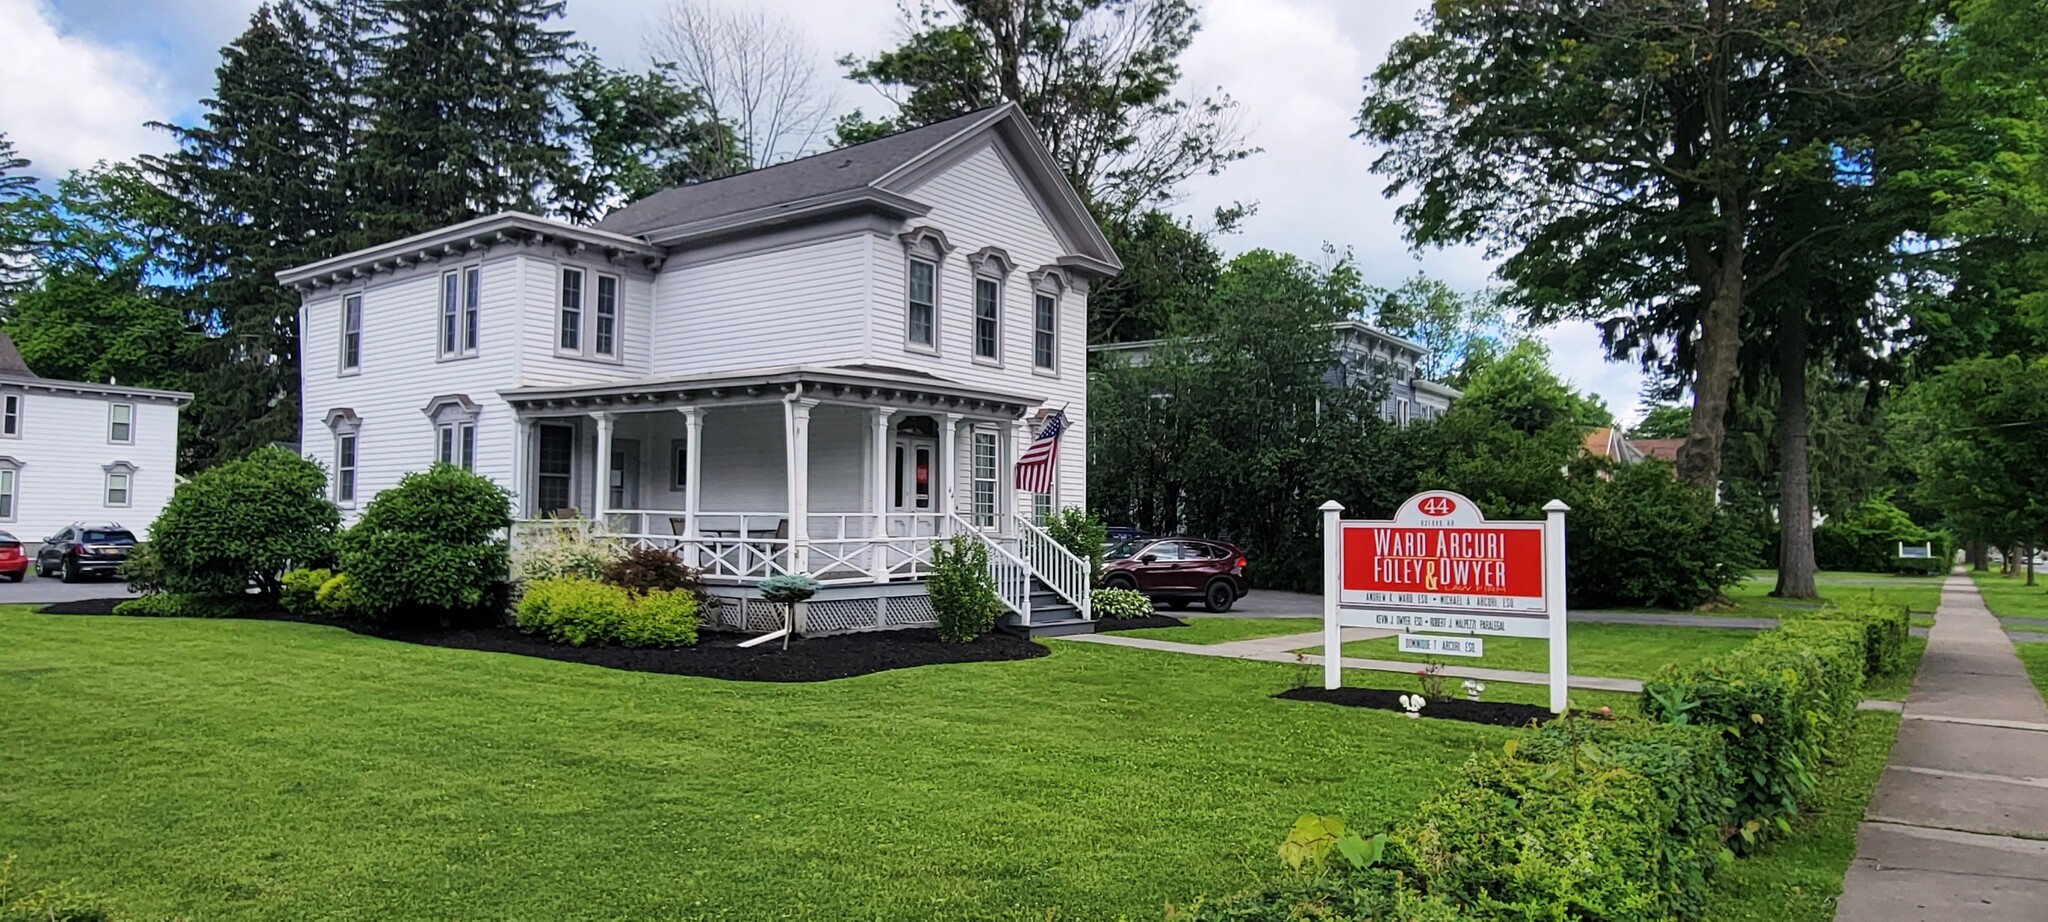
(1120, 582)
(71, 571)
(1219, 597)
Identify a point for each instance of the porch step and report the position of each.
(1069, 623)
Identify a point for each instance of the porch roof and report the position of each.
(877, 385)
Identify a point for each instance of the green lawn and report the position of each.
(1621, 651)
(1894, 687)
(2011, 597)
(1797, 879)
(2034, 656)
(253, 770)
(1222, 630)
(1752, 598)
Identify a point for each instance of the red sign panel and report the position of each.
(1439, 553)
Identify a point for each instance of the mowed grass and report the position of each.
(2034, 656)
(226, 770)
(2010, 596)
(1894, 687)
(1752, 597)
(1798, 878)
(1223, 630)
(1620, 651)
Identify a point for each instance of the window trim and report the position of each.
(455, 443)
(13, 417)
(599, 318)
(927, 245)
(112, 422)
(10, 489)
(679, 460)
(126, 472)
(460, 314)
(563, 311)
(910, 265)
(590, 282)
(568, 478)
(347, 460)
(994, 319)
(1050, 332)
(977, 437)
(350, 339)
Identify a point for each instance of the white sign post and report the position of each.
(1440, 566)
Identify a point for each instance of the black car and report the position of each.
(84, 550)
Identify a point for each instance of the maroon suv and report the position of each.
(1178, 571)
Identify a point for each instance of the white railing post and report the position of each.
(1554, 597)
(603, 496)
(693, 453)
(1062, 571)
(1333, 586)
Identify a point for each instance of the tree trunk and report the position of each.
(1795, 504)
(1699, 459)
(1979, 556)
(2030, 566)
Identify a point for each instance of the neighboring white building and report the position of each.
(71, 451)
(1364, 353)
(816, 367)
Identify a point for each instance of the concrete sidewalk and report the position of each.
(1954, 829)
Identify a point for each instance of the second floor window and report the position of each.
(1044, 332)
(352, 333)
(121, 423)
(571, 339)
(605, 342)
(988, 311)
(459, 309)
(10, 415)
(923, 311)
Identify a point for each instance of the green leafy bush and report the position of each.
(644, 569)
(583, 612)
(1637, 537)
(1866, 539)
(337, 597)
(186, 605)
(1119, 604)
(1885, 628)
(143, 570)
(1780, 702)
(301, 592)
(1370, 895)
(563, 547)
(963, 594)
(1082, 533)
(243, 522)
(428, 549)
(1516, 838)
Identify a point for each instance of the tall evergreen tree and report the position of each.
(260, 189)
(465, 118)
(19, 202)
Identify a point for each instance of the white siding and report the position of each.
(798, 304)
(540, 278)
(401, 371)
(979, 202)
(63, 451)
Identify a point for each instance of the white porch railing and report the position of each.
(1065, 574)
(1010, 573)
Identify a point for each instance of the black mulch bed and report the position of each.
(717, 655)
(1131, 624)
(1493, 713)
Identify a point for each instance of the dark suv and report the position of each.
(84, 550)
(1178, 571)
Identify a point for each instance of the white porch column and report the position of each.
(522, 466)
(878, 492)
(949, 465)
(693, 450)
(603, 496)
(796, 412)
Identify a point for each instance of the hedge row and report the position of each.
(1585, 818)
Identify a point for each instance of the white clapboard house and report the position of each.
(819, 367)
(78, 452)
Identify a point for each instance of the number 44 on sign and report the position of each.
(1442, 646)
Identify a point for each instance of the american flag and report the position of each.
(1035, 467)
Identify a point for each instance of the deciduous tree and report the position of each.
(753, 71)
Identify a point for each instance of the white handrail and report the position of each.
(1011, 574)
(1065, 573)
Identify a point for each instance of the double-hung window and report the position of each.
(120, 483)
(571, 338)
(345, 468)
(984, 478)
(7, 491)
(352, 333)
(460, 300)
(988, 311)
(1044, 332)
(605, 341)
(458, 444)
(923, 309)
(10, 415)
(121, 423)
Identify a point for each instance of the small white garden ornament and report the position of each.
(1472, 689)
(1414, 704)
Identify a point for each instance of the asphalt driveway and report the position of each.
(37, 590)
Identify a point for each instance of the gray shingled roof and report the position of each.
(11, 364)
(845, 170)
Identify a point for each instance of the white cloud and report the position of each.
(70, 100)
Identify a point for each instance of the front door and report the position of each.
(624, 479)
(915, 483)
(554, 468)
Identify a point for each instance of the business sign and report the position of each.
(1440, 566)
(1442, 646)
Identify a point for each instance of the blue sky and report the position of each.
(79, 78)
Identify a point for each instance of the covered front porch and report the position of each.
(848, 475)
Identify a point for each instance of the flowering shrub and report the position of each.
(584, 612)
(563, 547)
(1119, 604)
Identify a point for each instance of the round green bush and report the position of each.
(301, 592)
(1119, 604)
(429, 548)
(243, 522)
(964, 599)
(660, 618)
(337, 597)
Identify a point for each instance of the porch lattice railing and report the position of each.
(1067, 575)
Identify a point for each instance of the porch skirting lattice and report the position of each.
(826, 616)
